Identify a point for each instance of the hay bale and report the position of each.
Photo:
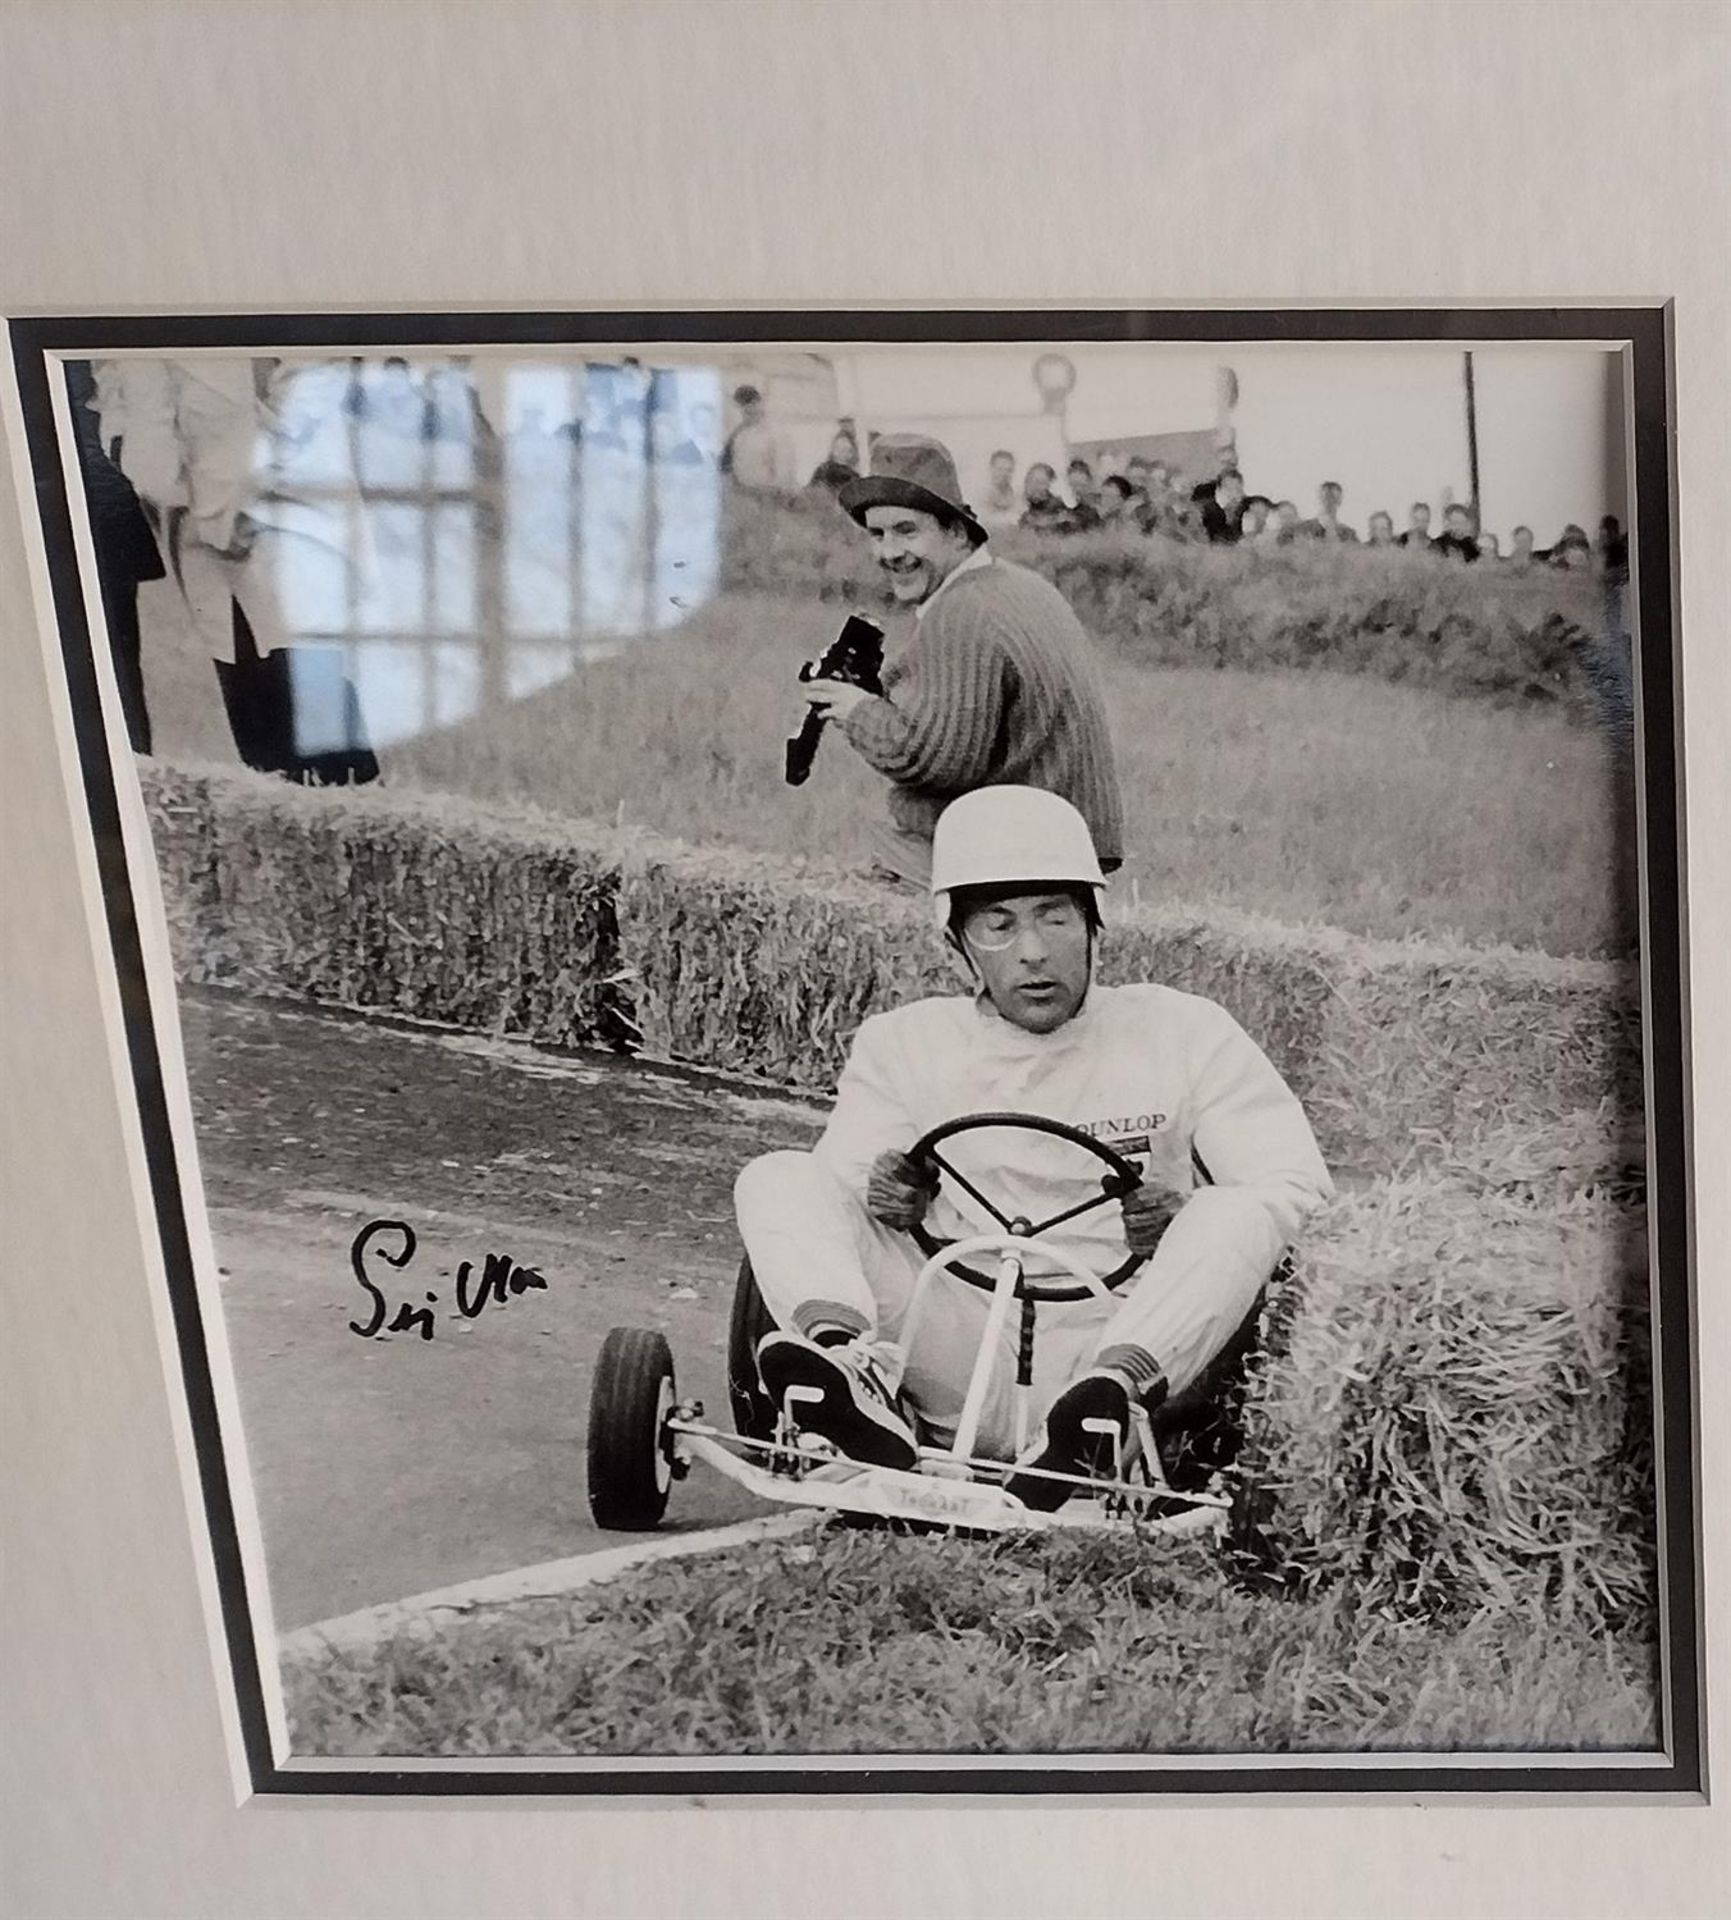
(1599, 1150)
(1426, 1042)
(1271, 979)
(403, 904)
(738, 965)
(1399, 1051)
(546, 928)
(1453, 1408)
(183, 830)
(1405, 1050)
(740, 962)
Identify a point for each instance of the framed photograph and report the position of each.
(589, 806)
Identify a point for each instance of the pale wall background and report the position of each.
(164, 154)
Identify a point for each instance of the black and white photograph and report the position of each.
(904, 1045)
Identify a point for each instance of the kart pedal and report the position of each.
(1112, 1431)
(1152, 1464)
(1091, 1410)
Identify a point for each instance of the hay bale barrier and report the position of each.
(552, 930)
(423, 908)
(1453, 1409)
(1453, 1406)
(740, 965)
(1398, 1050)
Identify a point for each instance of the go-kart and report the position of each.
(642, 1437)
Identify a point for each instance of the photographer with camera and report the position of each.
(996, 687)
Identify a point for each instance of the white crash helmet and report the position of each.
(1003, 836)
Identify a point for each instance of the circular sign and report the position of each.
(1055, 376)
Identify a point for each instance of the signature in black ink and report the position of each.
(500, 1279)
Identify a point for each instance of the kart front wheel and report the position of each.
(630, 1466)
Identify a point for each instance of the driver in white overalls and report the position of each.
(1229, 1170)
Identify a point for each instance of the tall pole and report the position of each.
(1055, 380)
(1472, 435)
(845, 367)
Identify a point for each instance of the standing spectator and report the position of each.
(758, 456)
(1488, 545)
(1222, 511)
(1381, 529)
(1573, 549)
(1327, 525)
(1269, 534)
(1417, 535)
(1256, 512)
(1139, 471)
(1521, 554)
(1081, 478)
(839, 466)
(190, 435)
(1002, 505)
(1044, 512)
(998, 685)
(1192, 520)
(1226, 461)
(1456, 541)
(193, 432)
(1286, 524)
(198, 445)
(1162, 510)
(126, 551)
(1117, 500)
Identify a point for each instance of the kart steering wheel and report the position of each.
(1123, 1176)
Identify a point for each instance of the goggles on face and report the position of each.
(992, 929)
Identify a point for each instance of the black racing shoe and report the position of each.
(857, 1413)
(1068, 1445)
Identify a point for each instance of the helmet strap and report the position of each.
(958, 946)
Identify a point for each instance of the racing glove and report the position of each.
(899, 1190)
(1148, 1212)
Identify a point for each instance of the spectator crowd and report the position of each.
(1148, 496)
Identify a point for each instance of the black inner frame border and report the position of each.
(1644, 328)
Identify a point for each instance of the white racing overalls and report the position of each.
(1169, 1080)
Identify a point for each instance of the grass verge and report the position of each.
(1490, 632)
(1309, 796)
(864, 1642)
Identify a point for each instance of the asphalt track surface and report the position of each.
(384, 1465)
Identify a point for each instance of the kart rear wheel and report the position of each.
(754, 1413)
(630, 1466)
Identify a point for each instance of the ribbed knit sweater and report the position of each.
(998, 687)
